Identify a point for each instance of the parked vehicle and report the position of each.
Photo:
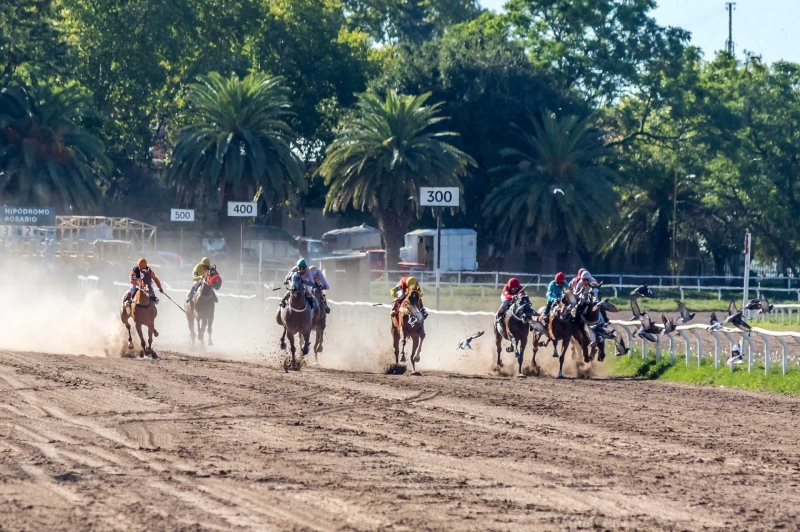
(359, 238)
(459, 249)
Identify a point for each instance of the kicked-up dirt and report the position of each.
(186, 443)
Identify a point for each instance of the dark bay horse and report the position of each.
(565, 324)
(516, 324)
(297, 317)
(408, 322)
(143, 311)
(200, 308)
(592, 315)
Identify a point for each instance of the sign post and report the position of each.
(747, 254)
(181, 215)
(242, 209)
(438, 197)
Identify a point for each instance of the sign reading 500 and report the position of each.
(242, 208)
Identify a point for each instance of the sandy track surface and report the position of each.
(187, 443)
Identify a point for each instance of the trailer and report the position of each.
(459, 249)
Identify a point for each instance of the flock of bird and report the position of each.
(649, 331)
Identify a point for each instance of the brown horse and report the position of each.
(566, 324)
(516, 323)
(320, 323)
(297, 317)
(143, 311)
(592, 315)
(409, 322)
(201, 307)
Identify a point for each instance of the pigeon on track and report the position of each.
(736, 356)
(715, 324)
(464, 344)
(736, 318)
(669, 325)
(621, 349)
(686, 316)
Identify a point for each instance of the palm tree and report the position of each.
(557, 191)
(46, 159)
(237, 142)
(385, 152)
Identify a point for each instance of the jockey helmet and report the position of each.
(206, 262)
(560, 277)
(412, 283)
(142, 263)
(580, 272)
(302, 263)
(513, 283)
(586, 275)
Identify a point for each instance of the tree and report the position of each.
(31, 45)
(46, 159)
(237, 142)
(558, 190)
(385, 152)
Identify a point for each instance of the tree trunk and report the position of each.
(393, 227)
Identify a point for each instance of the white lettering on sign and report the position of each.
(42, 216)
(24, 231)
(242, 208)
(438, 196)
(181, 215)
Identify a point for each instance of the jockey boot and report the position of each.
(283, 301)
(605, 316)
(327, 308)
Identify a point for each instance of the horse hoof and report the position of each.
(560, 375)
(555, 355)
(153, 355)
(416, 358)
(130, 345)
(283, 345)
(210, 343)
(416, 374)
(319, 349)
(403, 358)
(509, 349)
(155, 333)
(521, 376)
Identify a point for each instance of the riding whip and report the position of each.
(180, 307)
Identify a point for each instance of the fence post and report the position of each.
(782, 340)
(767, 353)
(682, 334)
(497, 278)
(699, 347)
(716, 349)
(671, 348)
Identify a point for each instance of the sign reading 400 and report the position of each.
(242, 208)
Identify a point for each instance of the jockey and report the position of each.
(320, 281)
(585, 287)
(308, 281)
(573, 284)
(399, 293)
(511, 289)
(142, 272)
(555, 291)
(197, 276)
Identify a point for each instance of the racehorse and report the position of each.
(297, 317)
(592, 316)
(319, 323)
(566, 324)
(408, 322)
(143, 311)
(201, 307)
(516, 324)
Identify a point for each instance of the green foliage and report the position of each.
(558, 190)
(707, 374)
(386, 150)
(46, 158)
(237, 141)
(414, 21)
(31, 45)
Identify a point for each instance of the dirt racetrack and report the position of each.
(188, 443)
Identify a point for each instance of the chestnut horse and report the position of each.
(409, 322)
(143, 311)
(201, 306)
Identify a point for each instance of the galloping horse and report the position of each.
(565, 326)
(320, 323)
(592, 316)
(518, 321)
(297, 317)
(201, 307)
(143, 311)
(409, 322)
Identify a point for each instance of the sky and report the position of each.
(768, 28)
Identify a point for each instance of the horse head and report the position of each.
(524, 310)
(297, 284)
(413, 298)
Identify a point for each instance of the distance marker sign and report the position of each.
(181, 215)
(242, 208)
(438, 196)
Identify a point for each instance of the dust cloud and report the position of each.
(59, 316)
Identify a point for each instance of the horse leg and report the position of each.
(403, 349)
(396, 345)
(151, 330)
(291, 347)
(201, 330)
(498, 342)
(522, 343)
(141, 337)
(602, 351)
(283, 339)
(421, 337)
(414, 355)
(209, 323)
(306, 341)
(564, 346)
(126, 320)
(535, 348)
(190, 319)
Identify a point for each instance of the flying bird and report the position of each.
(753, 304)
(715, 324)
(635, 309)
(538, 327)
(621, 349)
(669, 326)
(737, 320)
(736, 356)
(642, 291)
(558, 191)
(764, 306)
(464, 344)
(686, 316)
(732, 309)
(641, 333)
